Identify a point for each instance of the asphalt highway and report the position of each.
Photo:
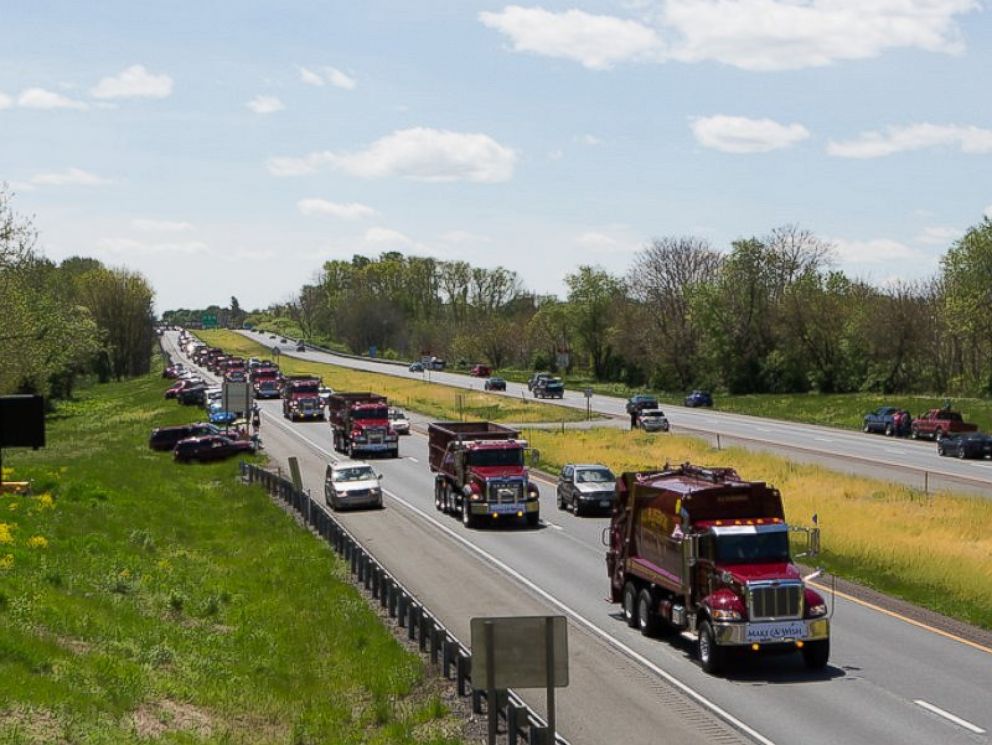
(889, 681)
(915, 463)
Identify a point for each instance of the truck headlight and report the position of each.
(725, 614)
(815, 611)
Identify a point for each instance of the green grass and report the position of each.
(140, 598)
(438, 401)
(933, 550)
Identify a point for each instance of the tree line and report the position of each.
(771, 314)
(62, 321)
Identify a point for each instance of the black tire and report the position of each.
(914, 434)
(940, 449)
(630, 604)
(647, 617)
(438, 503)
(711, 656)
(816, 654)
(939, 435)
(468, 519)
(560, 501)
(533, 519)
(576, 505)
(867, 428)
(961, 453)
(889, 431)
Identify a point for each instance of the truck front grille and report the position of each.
(775, 600)
(505, 491)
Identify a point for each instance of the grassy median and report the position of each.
(440, 401)
(934, 550)
(144, 600)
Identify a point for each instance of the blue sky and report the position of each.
(230, 148)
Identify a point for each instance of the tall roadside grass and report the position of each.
(933, 550)
(141, 600)
(438, 401)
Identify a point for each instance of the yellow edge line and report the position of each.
(901, 617)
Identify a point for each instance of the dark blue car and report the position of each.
(699, 398)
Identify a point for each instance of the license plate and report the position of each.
(775, 631)
(604, 503)
(504, 508)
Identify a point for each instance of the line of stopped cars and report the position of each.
(955, 437)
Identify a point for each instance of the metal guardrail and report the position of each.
(518, 722)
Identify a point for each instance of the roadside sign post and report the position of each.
(519, 652)
(588, 392)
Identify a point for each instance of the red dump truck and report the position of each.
(301, 398)
(360, 424)
(700, 550)
(480, 473)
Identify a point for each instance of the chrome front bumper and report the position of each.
(773, 632)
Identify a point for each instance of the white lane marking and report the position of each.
(412, 459)
(592, 627)
(551, 525)
(894, 451)
(764, 429)
(824, 439)
(950, 717)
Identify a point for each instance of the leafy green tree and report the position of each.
(593, 297)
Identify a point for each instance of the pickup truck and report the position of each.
(938, 423)
(889, 420)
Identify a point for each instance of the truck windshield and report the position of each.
(374, 413)
(505, 457)
(752, 548)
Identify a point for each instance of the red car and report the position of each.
(181, 386)
(210, 447)
(482, 371)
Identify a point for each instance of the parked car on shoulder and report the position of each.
(210, 447)
(888, 420)
(222, 417)
(699, 398)
(481, 371)
(966, 445)
(653, 420)
(939, 423)
(549, 388)
(641, 401)
(192, 396)
(165, 438)
(415, 367)
(586, 487)
(398, 421)
(352, 483)
(301, 346)
(495, 384)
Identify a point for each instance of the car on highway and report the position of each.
(399, 421)
(283, 341)
(495, 384)
(481, 371)
(210, 447)
(415, 367)
(966, 445)
(641, 401)
(165, 438)
(179, 386)
(533, 379)
(585, 488)
(549, 388)
(698, 398)
(192, 396)
(301, 347)
(653, 420)
(352, 483)
(324, 394)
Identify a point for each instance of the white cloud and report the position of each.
(349, 211)
(133, 82)
(588, 139)
(324, 75)
(387, 235)
(68, 177)
(939, 235)
(600, 241)
(738, 134)
(39, 98)
(150, 225)
(556, 154)
(595, 41)
(749, 34)
(969, 139)
(875, 251)
(265, 105)
(420, 154)
(6, 101)
(131, 247)
(464, 236)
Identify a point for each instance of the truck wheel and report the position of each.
(914, 434)
(533, 519)
(889, 431)
(468, 519)
(561, 502)
(961, 454)
(939, 435)
(711, 656)
(866, 429)
(647, 617)
(816, 654)
(438, 503)
(630, 604)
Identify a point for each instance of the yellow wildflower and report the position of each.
(7, 561)
(6, 533)
(13, 506)
(45, 501)
(37, 541)
(6, 473)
